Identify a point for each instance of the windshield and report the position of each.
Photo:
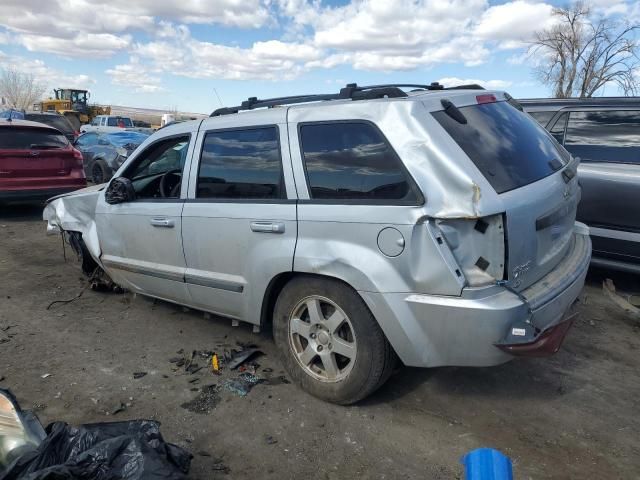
(123, 122)
(124, 138)
(30, 138)
(508, 146)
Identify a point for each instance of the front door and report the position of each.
(239, 221)
(141, 240)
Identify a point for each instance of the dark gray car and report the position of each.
(55, 120)
(605, 134)
(103, 154)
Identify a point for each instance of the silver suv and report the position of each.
(436, 225)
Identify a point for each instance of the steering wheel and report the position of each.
(166, 189)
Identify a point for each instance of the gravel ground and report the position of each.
(573, 415)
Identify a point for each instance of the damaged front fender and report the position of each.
(75, 212)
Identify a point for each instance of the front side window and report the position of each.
(353, 161)
(558, 128)
(157, 171)
(604, 136)
(542, 117)
(122, 122)
(87, 140)
(241, 164)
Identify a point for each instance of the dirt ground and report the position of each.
(574, 415)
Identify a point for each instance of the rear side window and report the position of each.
(58, 122)
(30, 138)
(241, 164)
(542, 117)
(509, 148)
(604, 136)
(353, 161)
(119, 122)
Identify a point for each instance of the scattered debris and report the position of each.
(280, 380)
(215, 364)
(239, 358)
(120, 408)
(205, 402)
(243, 384)
(609, 290)
(137, 375)
(270, 440)
(46, 375)
(220, 467)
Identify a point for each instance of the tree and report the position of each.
(20, 90)
(578, 56)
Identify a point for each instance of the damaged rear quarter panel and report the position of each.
(75, 212)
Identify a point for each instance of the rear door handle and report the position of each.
(267, 227)
(162, 222)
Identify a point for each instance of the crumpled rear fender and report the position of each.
(75, 212)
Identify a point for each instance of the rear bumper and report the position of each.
(430, 331)
(38, 194)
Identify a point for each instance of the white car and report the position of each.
(107, 124)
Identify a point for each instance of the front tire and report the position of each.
(329, 342)
(100, 172)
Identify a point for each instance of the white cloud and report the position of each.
(51, 77)
(490, 84)
(513, 23)
(136, 76)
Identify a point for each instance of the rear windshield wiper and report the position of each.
(453, 111)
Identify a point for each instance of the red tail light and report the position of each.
(77, 155)
(486, 98)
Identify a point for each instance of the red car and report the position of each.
(36, 162)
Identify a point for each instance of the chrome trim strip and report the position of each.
(176, 277)
(616, 234)
(214, 283)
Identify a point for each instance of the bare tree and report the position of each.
(578, 55)
(20, 90)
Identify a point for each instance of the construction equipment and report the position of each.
(72, 103)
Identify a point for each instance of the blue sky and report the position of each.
(170, 54)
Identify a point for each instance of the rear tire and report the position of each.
(328, 340)
(100, 172)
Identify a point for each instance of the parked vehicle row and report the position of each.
(437, 226)
(605, 134)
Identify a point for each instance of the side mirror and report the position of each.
(120, 190)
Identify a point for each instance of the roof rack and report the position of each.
(350, 91)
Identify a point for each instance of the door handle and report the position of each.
(267, 227)
(162, 222)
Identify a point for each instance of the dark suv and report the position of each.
(605, 134)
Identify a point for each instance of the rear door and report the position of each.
(30, 156)
(239, 220)
(608, 144)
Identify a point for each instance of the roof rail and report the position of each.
(350, 91)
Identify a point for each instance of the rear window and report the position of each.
(57, 122)
(509, 148)
(30, 138)
(119, 122)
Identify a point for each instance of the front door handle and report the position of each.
(162, 222)
(267, 227)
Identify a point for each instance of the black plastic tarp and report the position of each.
(131, 450)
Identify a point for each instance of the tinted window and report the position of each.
(241, 164)
(352, 161)
(558, 128)
(542, 117)
(605, 136)
(56, 121)
(508, 146)
(30, 138)
(87, 139)
(119, 122)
